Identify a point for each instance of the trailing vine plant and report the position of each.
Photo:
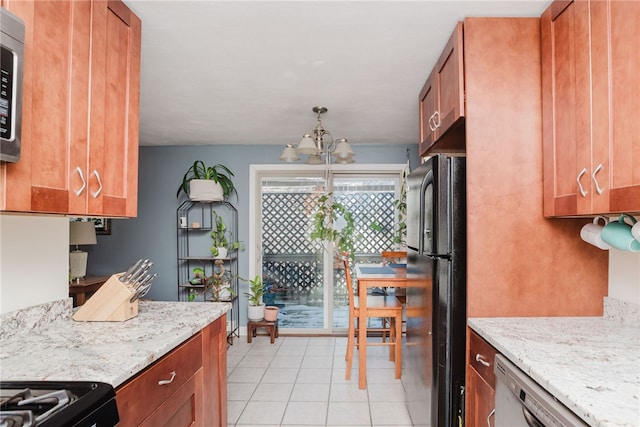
(333, 222)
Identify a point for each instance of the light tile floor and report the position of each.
(299, 381)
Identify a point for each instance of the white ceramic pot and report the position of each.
(205, 190)
(271, 313)
(222, 253)
(255, 312)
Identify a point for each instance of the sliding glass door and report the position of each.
(301, 275)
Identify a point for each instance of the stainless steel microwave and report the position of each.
(12, 47)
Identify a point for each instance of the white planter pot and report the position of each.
(205, 190)
(255, 312)
(225, 294)
(222, 253)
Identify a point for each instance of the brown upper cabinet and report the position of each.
(442, 99)
(591, 99)
(80, 110)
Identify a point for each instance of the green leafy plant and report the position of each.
(256, 290)
(334, 223)
(400, 204)
(222, 237)
(215, 286)
(217, 173)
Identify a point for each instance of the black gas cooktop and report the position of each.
(57, 404)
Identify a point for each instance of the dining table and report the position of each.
(373, 276)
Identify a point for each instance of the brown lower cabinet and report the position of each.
(186, 387)
(481, 382)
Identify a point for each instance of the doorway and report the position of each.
(300, 274)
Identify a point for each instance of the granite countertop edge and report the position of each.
(111, 352)
(590, 364)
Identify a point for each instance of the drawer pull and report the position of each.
(169, 381)
(481, 361)
(491, 414)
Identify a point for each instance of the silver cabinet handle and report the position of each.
(436, 115)
(595, 181)
(99, 190)
(84, 183)
(491, 414)
(432, 123)
(169, 381)
(481, 360)
(583, 193)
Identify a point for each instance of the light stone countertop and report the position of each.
(590, 364)
(45, 343)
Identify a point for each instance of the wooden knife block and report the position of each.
(110, 303)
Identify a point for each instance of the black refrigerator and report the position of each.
(434, 369)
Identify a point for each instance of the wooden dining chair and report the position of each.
(384, 306)
(394, 257)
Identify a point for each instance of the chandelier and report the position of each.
(319, 146)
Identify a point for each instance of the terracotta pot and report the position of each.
(271, 313)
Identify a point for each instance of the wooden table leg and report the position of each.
(362, 338)
(81, 298)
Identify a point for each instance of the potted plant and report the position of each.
(207, 183)
(333, 222)
(223, 242)
(217, 285)
(256, 306)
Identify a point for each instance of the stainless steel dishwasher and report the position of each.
(520, 401)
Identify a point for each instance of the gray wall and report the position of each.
(153, 233)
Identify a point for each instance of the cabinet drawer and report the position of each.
(143, 394)
(481, 356)
(183, 409)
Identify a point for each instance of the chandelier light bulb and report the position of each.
(317, 144)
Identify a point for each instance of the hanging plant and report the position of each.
(332, 222)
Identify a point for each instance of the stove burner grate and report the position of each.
(57, 404)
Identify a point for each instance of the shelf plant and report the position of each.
(223, 241)
(216, 286)
(199, 171)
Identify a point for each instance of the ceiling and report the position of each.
(249, 72)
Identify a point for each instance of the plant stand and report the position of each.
(194, 241)
(271, 327)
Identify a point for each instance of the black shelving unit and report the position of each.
(194, 222)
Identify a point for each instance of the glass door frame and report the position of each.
(256, 173)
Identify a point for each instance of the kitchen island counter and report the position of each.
(45, 343)
(590, 364)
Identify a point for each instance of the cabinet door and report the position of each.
(427, 106)
(616, 103)
(54, 90)
(481, 398)
(566, 104)
(450, 83)
(183, 409)
(442, 100)
(214, 363)
(115, 93)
